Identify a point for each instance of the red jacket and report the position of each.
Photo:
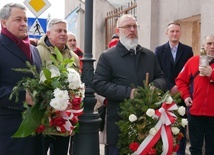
(79, 52)
(113, 42)
(203, 90)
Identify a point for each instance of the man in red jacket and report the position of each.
(200, 102)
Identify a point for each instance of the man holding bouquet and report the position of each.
(56, 36)
(15, 50)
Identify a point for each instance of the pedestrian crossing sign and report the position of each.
(36, 27)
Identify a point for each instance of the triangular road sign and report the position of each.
(36, 27)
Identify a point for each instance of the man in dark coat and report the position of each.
(171, 57)
(15, 50)
(119, 68)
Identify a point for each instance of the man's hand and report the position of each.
(174, 90)
(205, 70)
(132, 93)
(28, 98)
(188, 101)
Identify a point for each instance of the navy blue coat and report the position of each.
(170, 68)
(116, 71)
(10, 112)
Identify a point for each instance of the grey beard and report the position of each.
(129, 43)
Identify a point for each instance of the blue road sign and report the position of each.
(36, 27)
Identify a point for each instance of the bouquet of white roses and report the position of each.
(57, 92)
(150, 123)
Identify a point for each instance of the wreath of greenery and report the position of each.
(133, 132)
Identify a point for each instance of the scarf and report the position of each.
(23, 44)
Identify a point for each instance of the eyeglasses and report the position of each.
(129, 26)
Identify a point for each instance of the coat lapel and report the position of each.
(12, 47)
(179, 52)
(167, 50)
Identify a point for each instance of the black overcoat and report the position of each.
(117, 70)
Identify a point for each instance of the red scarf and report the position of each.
(23, 44)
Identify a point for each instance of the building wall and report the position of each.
(156, 15)
(153, 16)
(99, 15)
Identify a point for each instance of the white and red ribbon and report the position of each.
(166, 118)
(67, 115)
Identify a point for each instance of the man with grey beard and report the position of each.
(121, 67)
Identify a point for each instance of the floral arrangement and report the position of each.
(150, 123)
(57, 92)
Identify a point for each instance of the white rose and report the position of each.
(175, 130)
(169, 99)
(73, 79)
(132, 118)
(61, 94)
(153, 131)
(59, 104)
(182, 110)
(184, 122)
(150, 112)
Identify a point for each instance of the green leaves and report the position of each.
(41, 87)
(30, 123)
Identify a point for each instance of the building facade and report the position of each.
(153, 16)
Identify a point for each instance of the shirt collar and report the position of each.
(176, 47)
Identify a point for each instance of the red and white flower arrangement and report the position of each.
(150, 123)
(57, 92)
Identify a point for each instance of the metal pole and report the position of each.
(86, 142)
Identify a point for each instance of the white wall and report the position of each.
(153, 16)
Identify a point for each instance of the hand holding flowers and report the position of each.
(57, 92)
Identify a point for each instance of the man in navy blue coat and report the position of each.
(15, 50)
(171, 57)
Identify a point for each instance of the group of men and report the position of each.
(15, 50)
(169, 67)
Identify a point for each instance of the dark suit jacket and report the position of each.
(10, 112)
(170, 68)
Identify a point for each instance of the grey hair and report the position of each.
(70, 33)
(210, 35)
(5, 12)
(54, 21)
(123, 17)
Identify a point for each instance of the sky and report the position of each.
(56, 10)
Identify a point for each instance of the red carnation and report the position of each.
(57, 121)
(133, 146)
(74, 120)
(40, 128)
(76, 103)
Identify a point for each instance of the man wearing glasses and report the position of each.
(121, 67)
